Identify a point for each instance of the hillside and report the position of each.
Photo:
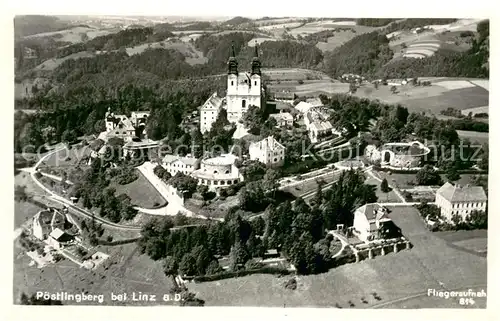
(32, 24)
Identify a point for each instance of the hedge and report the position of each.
(232, 274)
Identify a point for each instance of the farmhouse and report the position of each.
(369, 221)
(303, 107)
(219, 171)
(186, 165)
(283, 119)
(44, 222)
(268, 151)
(57, 238)
(460, 200)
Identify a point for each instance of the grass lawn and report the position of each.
(390, 197)
(398, 279)
(24, 211)
(141, 192)
(402, 180)
(125, 271)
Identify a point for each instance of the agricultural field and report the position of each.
(141, 192)
(51, 64)
(125, 271)
(74, 35)
(193, 56)
(343, 33)
(408, 181)
(444, 93)
(381, 282)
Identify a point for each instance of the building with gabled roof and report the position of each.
(184, 164)
(283, 119)
(209, 112)
(460, 200)
(268, 151)
(369, 220)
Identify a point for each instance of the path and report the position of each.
(174, 206)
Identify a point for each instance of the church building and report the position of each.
(244, 89)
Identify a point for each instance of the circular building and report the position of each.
(400, 155)
(218, 171)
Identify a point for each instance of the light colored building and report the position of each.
(140, 148)
(125, 127)
(369, 220)
(209, 112)
(318, 125)
(175, 164)
(244, 89)
(217, 172)
(57, 238)
(268, 151)
(303, 107)
(284, 96)
(283, 119)
(461, 200)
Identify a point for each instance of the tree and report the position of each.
(188, 265)
(238, 256)
(427, 175)
(214, 268)
(68, 136)
(170, 266)
(253, 170)
(375, 85)
(393, 89)
(452, 174)
(270, 181)
(20, 194)
(352, 88)
(384, 186)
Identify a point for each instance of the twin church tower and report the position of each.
(244, 89)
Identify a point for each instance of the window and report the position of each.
(227, 172)
(232, 83)
(215, 172)
(275, 159)
(216, 182)
(243, 103)
(255, 82)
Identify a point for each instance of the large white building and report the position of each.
(175, 164)
(217, 172)
(369, 219)
(244, 89)
(268, 151)
(461, 200)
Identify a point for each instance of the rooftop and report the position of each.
(267, 143)
(213, 102)
(224, 159)
(285, 116)
(373, 211)
(457, 193)
(186, 160)
(412, 149)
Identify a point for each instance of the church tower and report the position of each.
(243, 88)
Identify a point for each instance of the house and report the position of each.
(460, 200)
(315, 102)
(125, 127)
(45, 221)
(57, 238)
(209, 112)
(175, 164)
(369, 221)
(318, 125)
(268, 151)
(283, 119)
(303, 107)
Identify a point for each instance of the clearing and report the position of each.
(193, 56)
(141, 192)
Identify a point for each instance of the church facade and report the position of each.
(244, 89)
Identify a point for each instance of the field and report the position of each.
(399, 280)
(192, 55)
(74, 35)
(53, 63)
(141, 192)
(444, 93)
(125, 271)
(474, 137)
(401, 180)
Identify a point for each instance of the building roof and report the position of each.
(213, 102)
(284, 116)
(141, 143)
(315, 102)
(457, 193)
(224, 159)
(321, 126)
(373, 211)
(284, 95)
(57, 233)
(191, 161)
(303, 107)
(268, 143)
